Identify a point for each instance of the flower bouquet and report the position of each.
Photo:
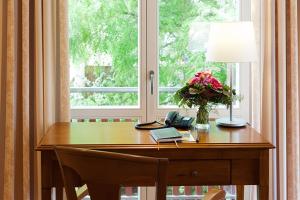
(204, 91)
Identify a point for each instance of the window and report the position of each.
(104, 53)
(183, 34)
(115, 45)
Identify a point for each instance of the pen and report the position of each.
(176, 144)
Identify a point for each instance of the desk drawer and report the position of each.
(199, 172)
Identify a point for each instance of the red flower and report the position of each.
(195, 80)
(205, 78)
(215, 84)
(203, 75)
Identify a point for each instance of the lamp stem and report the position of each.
(231, 76)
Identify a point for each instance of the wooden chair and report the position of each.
(215, 194)
(104, 172)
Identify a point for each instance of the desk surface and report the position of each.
(223, 156)
(110, 135)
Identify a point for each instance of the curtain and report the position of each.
(52, 70)
(287, 66)
(34, 88)
(276, 114)
(1, 5)
(262, 84)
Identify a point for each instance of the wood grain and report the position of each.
(240, 192)
(201, 172)
(104, 172)
(263, 186)
(243, 170)
(112, 135)
(222, 156)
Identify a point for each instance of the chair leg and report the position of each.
(240, 192)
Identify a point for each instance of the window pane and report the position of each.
(183, 34)
(103, 37)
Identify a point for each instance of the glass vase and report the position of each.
(202, 120)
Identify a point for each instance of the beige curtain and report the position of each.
(262, 84)
(287, 98)
(278, 110)
(278, 107)
(34, 88)
(292, 94)
(1, 13)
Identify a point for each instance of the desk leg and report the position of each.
(240, 192)
(57, 181)
(46, 175)
(263, 188)
(111, 192)
(46, 194)
(59, 193)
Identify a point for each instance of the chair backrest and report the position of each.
(103, 171)
(215, 194)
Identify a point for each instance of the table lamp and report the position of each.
(231, 42)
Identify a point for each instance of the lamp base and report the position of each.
(235, 122)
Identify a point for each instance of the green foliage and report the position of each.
(177, 62)
(110, 27)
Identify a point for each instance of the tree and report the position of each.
(110, 27)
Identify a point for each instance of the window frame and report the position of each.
(140, 112)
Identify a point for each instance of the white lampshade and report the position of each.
(231, 42)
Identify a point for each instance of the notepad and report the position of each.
(166, 135)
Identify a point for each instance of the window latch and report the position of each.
(152, 81)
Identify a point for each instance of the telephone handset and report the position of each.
(173, 119)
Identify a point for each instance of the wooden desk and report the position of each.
(222, 157)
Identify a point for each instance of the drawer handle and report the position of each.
(195, 173)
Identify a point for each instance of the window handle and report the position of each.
(151, 74)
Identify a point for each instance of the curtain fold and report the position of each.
(51, 80)
(287, 98)
(1, 14)
(14, 111)
(267, 86)
(292, 101)
(34, 87)
(278, 116)
(262, 84)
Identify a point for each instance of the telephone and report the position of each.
(173, 119)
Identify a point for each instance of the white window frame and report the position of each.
(157, 112)
(140, 112)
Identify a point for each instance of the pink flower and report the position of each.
(203, 75)
(215, 84)
(205, 78)
(195, 80)
(200, 78)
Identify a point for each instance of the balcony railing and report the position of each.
(117, 89)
